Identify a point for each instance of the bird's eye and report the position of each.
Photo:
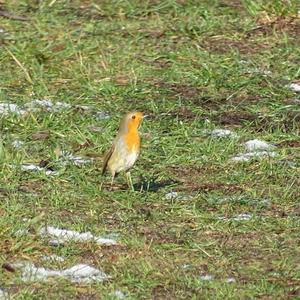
(133, 117)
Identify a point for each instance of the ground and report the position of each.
(232, 229)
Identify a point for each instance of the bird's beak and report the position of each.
(145, 116)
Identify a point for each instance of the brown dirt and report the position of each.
(183, 113)
(186, 171)
(267, 26)
(207, 187)
(235, 118)
(40, 135)
(289, 144)
(235, 4)
(199, 96)
(158, 63)
(188, 178)
(221, 45)
(183, 90)
(30, 187)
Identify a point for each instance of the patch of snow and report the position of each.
(117, 294)
(258, 145)
(220, 133)
(52, 173)
(76, 160)
(187, 267)
(230, 280)
(47, 105)
(295, 87)
(55, 243)
(240, 217)
(53, 258)
(62, 235)
(80, 273)
(4, 295)
(207, 277)
(100, 115)
(94, 128)
(21, 232)
(11, 108)
(171, 195)
(32, 167)
(252, 155)
(258, 71)
(83, 107)
(17, 144)
(176, 195)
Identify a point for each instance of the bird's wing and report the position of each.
(106, 158)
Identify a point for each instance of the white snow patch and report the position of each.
(240, 217)
(76, 160)
(32, 167)
(17, 144)
(187, 267)
(171, 195)
(221, 133)
(100, 115)
(258, 71)
(230, 280)
(118, 294)
(4, 295)
(53, 258)
(80, 273)
(47, 105)
(251, 155)
(11, 108)
(83, 107)
(94, 128)
(207, 277)
(295, 87)
(178, 196)
(62, 235)
(258, 145)
(22, 232)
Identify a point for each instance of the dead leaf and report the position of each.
(122, 80)
(41, 135)
(88, 143)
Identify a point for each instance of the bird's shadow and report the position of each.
(154, 186)
(144, 186)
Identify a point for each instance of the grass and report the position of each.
(192, 66)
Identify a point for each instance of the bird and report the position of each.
(125, 148)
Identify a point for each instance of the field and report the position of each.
(211, 217)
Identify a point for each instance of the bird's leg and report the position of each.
(129, 181)
(112, 180)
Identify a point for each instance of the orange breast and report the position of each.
(132, 140)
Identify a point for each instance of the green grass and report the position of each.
(192, 66)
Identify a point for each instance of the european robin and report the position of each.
(125, 148)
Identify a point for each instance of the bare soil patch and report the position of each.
(289, 144)
(222, 45)
(267, 26)
(235, 118)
